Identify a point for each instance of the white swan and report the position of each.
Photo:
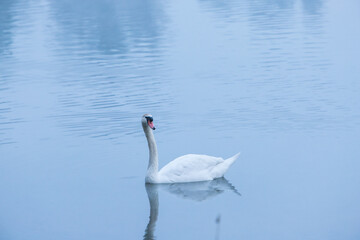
(187, 168)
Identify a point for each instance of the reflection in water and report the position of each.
(152, 192)
(105, 63)
(197, 191)
(217, 221)
(312, 7)
(283, 48)
(112, 27)
(6, 25)
(114, 68)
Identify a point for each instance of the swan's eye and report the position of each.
(150, 122)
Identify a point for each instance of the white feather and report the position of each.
(187, 168)
(195, 167)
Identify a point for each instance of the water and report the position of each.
(276, 80)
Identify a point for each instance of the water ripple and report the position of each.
(93, 68)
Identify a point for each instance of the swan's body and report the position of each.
(187, 168)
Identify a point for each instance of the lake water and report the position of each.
(277, 80)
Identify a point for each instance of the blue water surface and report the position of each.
(277, 80)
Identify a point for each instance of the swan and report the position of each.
(187, 168)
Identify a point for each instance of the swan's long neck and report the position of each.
(153, 156)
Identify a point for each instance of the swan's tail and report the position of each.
(232, 159)
(221, 169)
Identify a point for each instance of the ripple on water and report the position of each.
(262, 64)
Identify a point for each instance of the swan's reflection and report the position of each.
(197, 191)
(152, 192)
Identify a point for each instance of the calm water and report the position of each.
(277, 80)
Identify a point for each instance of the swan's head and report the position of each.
(147, 121)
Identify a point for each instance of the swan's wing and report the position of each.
(190, 168)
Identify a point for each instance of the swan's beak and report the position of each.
(151, 125)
